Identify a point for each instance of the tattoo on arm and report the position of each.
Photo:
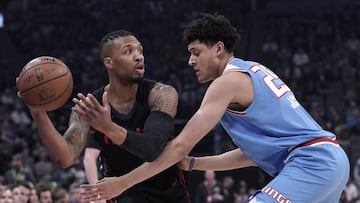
(77, 133)
(163, 98)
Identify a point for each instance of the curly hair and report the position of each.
(210, 29)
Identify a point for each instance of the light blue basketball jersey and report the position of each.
(273, 123)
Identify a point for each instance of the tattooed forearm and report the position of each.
(76, 134)
(163, 98)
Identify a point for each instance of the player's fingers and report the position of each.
(83, 109)
(88, 188)
(90, 192)
(80, 112)
(80, 104)
(86, 101)
(80, 96)
(94, 101)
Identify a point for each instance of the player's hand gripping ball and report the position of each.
(45, 83)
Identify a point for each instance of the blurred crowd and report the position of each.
(316, 53)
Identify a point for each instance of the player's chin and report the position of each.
(136, 79)
(202, 79)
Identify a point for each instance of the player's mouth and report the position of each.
(197, 71)
(140, 68)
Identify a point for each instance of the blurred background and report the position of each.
(314, 46)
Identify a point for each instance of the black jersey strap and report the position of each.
(158, 130)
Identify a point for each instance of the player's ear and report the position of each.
(107, 62)
(219, 47)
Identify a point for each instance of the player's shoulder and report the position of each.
(163, 90)
(160, 85)
(234, 76)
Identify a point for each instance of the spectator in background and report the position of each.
(6, 195)
(241, 195)
(44, 168)
(7, 97)
(300, 58)
(25, 187)
(74, 191)
(8, 135)
(17, 173)
(44, 192)
(351, 191)
(228, 187)
(19, 116)
(16, 193)
(33, 196)
(60, 195)
(210, 190)
(356, 172)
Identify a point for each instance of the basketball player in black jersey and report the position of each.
(131, 122)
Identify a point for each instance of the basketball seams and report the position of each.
(46, 63)
(45, 82)
(40, 84)
(70, 84)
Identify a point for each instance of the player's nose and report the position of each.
(191, 62)
(139, 57)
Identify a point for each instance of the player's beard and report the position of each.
(135, 79)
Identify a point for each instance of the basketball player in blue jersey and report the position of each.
(261, 114)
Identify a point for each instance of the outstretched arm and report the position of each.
(226, 161)
(215, 102)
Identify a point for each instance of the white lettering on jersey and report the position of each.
(278, 89)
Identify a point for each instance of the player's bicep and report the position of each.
(212, 108)
(231, 88)
(76, 134)
(215, 101)
(163, 98)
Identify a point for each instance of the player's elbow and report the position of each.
(180, 147)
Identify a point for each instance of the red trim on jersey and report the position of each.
(315, 141)
(322, 139)
(242, 113)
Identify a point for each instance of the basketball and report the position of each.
(45, 82)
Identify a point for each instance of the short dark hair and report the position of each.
(108, 39)
(210, 29)
(42, 187)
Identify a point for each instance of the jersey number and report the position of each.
(269, 79)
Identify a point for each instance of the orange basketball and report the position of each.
(45, 82)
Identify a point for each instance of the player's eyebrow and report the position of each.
(192, 49)
(131, 45)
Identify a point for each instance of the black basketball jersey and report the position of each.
(116, 161)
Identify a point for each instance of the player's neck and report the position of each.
(121, 93)
(224, 63)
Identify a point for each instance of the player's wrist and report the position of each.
(191, 163)
(115, 132)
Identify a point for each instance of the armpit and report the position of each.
(163, 98)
